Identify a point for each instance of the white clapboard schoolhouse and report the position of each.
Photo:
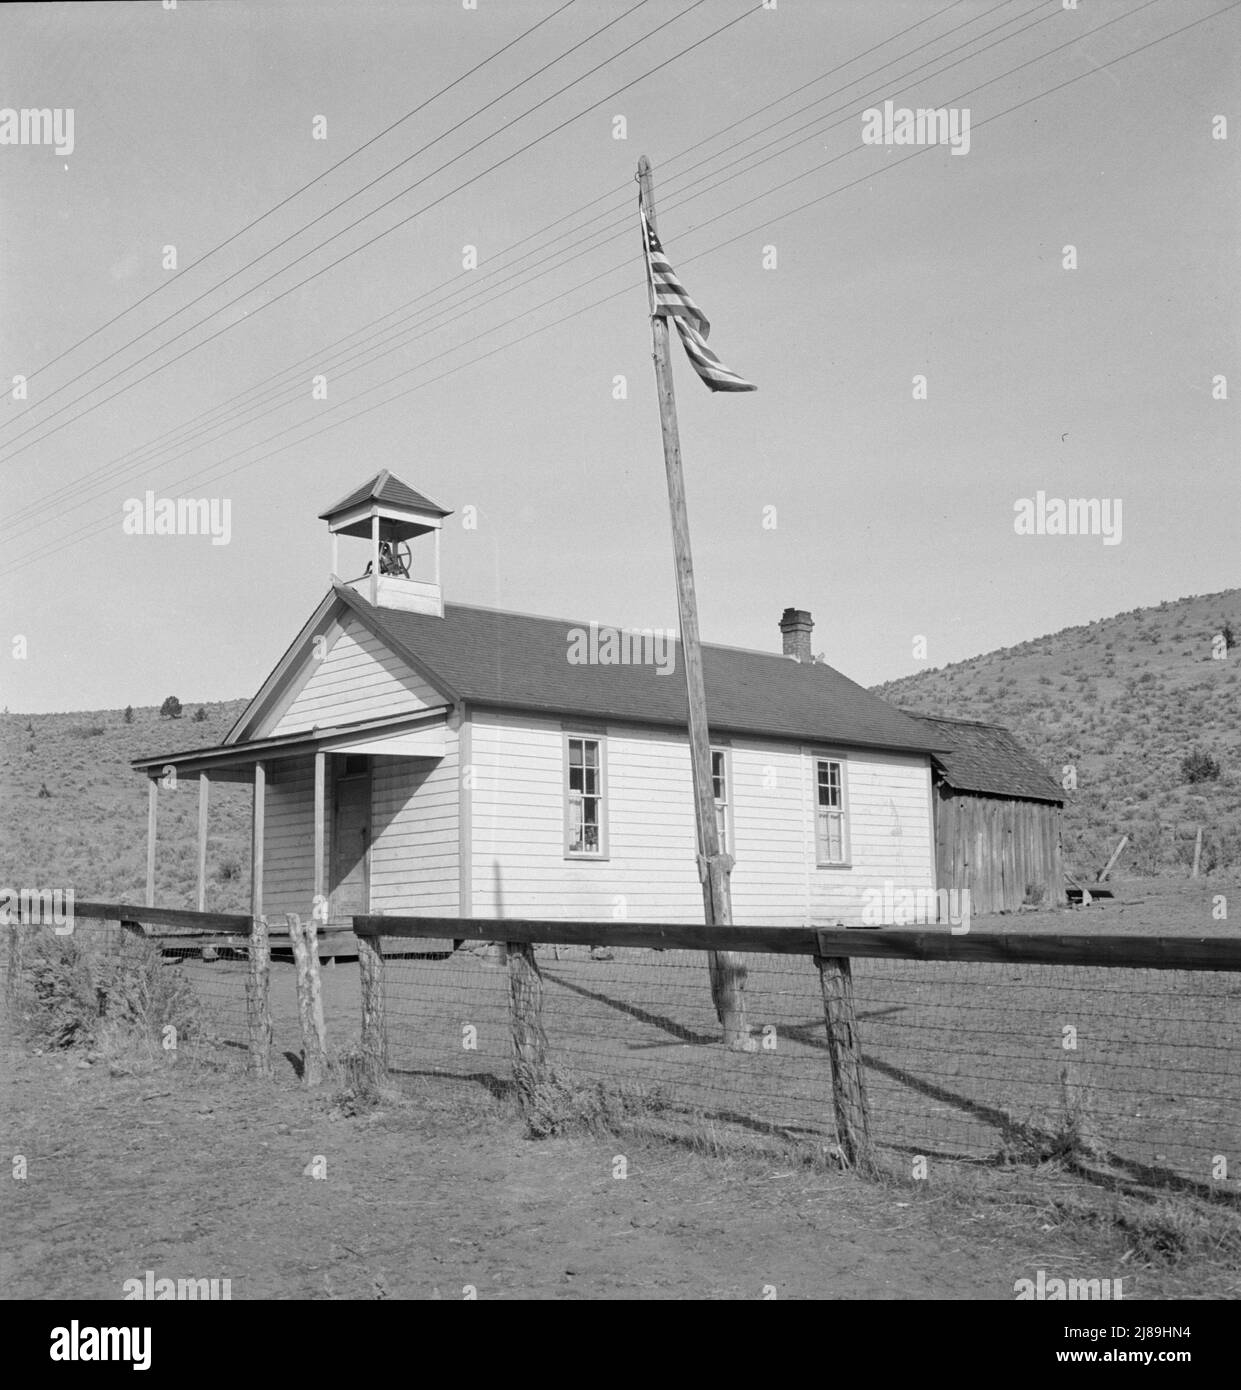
(414, 756)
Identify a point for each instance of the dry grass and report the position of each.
(1124, 700)
(117, 998)
(1042, 1193)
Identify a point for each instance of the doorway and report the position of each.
(350, 894)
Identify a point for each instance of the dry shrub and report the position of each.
(562, 1103)
(87, 994)
(63, 1007)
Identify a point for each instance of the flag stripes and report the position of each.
(670, 299)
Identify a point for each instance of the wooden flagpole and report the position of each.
(726, 967)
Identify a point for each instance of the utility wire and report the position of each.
(639, 283)
(733, 173)
(328, 240)
(284, 202)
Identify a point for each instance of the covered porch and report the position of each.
(325, 859)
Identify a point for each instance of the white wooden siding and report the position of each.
(288, 838)
(415, 854)
(358, 679)
(518, 863)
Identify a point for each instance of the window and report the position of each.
(584, 824)
(719, 788)
(830, 838)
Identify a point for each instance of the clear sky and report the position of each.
(831, 488)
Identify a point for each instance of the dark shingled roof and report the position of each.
(383, 487)
(513, 660)
(987, 758)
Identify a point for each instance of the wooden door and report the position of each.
(351, 838)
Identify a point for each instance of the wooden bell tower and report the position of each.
(393, 518)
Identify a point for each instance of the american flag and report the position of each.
(670, 299)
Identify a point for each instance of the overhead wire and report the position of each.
(630, 287)
(733, 173)
(305, 255)
(297, 192)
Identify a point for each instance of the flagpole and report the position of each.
(726, 967)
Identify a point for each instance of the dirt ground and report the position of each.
(1169, 906)
(197, 1173)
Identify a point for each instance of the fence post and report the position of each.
(844, 1047)
(525, 994)
(309, 999)
(258, 1005)
(374, 1025)
(1197, 852)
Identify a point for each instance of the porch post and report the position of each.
(256, 839)
(152, 803)
(204, 788)
(320, 807)
(375, 558)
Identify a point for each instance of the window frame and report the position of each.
(725, 752)
(598, 737)
(818, 756)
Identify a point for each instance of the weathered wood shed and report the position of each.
(997, 815)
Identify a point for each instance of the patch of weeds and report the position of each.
(62, 1008)
(561, 1102)
(356, 1091)
(119, 999)
(1069, 1138)
(1170, 1232)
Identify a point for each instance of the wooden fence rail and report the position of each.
(1129, 952)
(220, 923)
(831, 950)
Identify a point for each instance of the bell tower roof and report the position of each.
(396, 521)
(388, 491)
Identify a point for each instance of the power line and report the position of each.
(678, 201)
(318, 178)
(67, 489)
(718, 182)
(628, 288)
(328, 240)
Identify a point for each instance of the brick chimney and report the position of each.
(796, 625)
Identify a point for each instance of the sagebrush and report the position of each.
(73, 992)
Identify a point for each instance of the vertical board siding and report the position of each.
(288, 837)
(520, 869)
(358, 679)
(415, 847)
(997, 847)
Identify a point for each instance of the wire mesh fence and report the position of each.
(980, 1060)
(1138, 1068)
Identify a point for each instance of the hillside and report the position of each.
(1123, 700)
(73, 812)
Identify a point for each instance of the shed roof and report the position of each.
(383, 487)
(518, 661)
(987, 758)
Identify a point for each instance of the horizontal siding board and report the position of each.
(518, 817)
(288, 837)
(359, 678)
(415, 852)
